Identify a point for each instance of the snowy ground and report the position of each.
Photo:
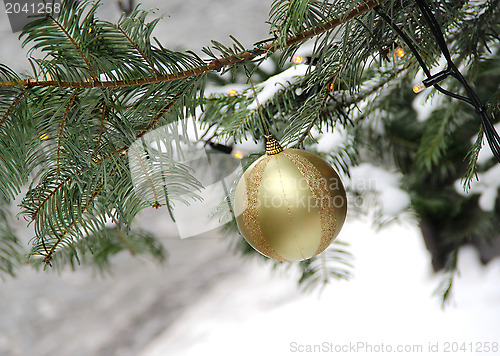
(389, 302)
(208, 302)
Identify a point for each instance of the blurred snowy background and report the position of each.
(206, 301)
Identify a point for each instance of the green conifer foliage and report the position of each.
(66, 128)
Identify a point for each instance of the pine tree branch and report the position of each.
(159, 116)
(139, 50)
(313, 122)
(240, 123)
(61, 27)
(63, 122)
(48, 257)
(151, 184)
(216, 64)
(120, 150)
(323, 103)
(101, 129)
(34, 214)
(125, 241)
(11, 107)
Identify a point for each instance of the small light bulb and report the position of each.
(298, 60)
(44, 136)
(418, 88)
(399, 52)
(231, 92)
(237, 154)
(330, 87)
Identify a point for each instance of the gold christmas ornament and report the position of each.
(289, 204)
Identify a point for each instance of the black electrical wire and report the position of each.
(489, 130)
(438, 35)
(435, 28)
(491, 134)
(406, 39)
(412, 48)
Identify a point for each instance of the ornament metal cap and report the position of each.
(273, 147)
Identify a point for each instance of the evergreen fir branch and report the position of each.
(118, 152)
(65, 39)
(231, 116)
(10, 247)
(445, 288)
(12, 107)
(290, 17)
(101, 130)
(73, 221)
(303, 120)
(471, 38)
(102, 45)
(55, 187)
(434, 140)
(65, 223)
(10, 250)
(214, 65)
(333, 263)
(158, 178)
(98, 248)
(16, 141)
(73, 42)
(157, 118)
(295, 109)
(125, 242)
(317, 115)
(472, 157)
(145, 172)
(148, 59)
(63, 122)
(139, 50)
(345, 156)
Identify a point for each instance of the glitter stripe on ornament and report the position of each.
(315, 180)
(250, 215)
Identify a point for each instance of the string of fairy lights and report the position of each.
(451, 70)
(432, 80)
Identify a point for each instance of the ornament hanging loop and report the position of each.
(273, 147)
